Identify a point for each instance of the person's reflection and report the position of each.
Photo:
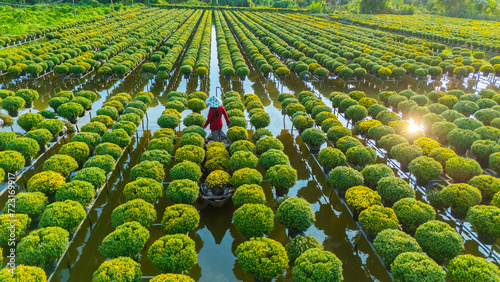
(311, 192)
(217, 220)
(295, 156)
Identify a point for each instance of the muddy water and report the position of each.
(216, 238)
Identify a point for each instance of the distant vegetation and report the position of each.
(18, 20)
(476, 9)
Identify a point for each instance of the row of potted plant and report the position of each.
(253, 219)
(109, 152)
(12, 101)
(54, 31)
(174, 46)
(121, 42)
(71, 106)
(461, 57)
(231, 61)
(146, 38)
(202, 65)
(151, 69)
(146, 189)
(77, 67)
(197, 56)
(271, 156)
(71, 197)
(41, 128)
(141, 194)
(285, 51)
(453, 31)
(134, 31)
(391, 190)
(416, 64)
(52, 53)
(332, 61)
(259, 52)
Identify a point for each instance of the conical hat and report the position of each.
(213, 102)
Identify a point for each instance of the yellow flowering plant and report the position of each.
(218, 179)
(361, 197)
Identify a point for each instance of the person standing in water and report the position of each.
(214, 118)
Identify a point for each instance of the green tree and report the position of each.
(451, 8)
(372, 6)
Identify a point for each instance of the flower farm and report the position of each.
(359, 148)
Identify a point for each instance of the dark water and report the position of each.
(216, 238)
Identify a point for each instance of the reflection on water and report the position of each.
(216, 238)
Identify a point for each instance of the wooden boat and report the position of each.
(206, 196)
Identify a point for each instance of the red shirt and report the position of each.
(216, 122)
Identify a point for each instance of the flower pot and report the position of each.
(281, 77)
(227, 77)
(28, 161)
(355, 214)
(404, 167)
(486, 238)
(242, 78)
(186, 76)
(202, 77)
(341, 193)
(314, 149)
(43, 149)
(257, 279)
(326, 170)
(28, 105)
(13, 114)
(459, 215)
(266, 75)
(281, 192)
(294, 233)
(8, 174)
